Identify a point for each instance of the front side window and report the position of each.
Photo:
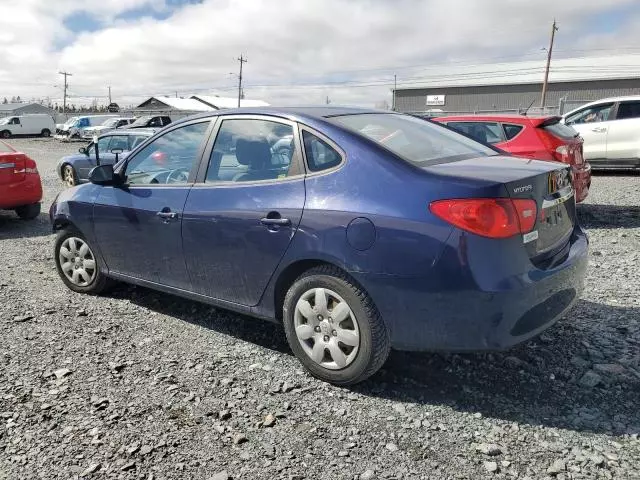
(103, 144)
(628, 110)
(15, 121)
(485, 132)
(136, 140)
(320, 155)
(597, 113)
(418, 141)
(170, 158)
(249, 150)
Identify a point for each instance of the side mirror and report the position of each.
(83, 150)
(102, 175)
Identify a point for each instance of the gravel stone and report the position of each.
(491, 467)
(158, 371)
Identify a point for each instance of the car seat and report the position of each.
(256, 154)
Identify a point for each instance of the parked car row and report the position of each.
(358, 230)
(90, 125)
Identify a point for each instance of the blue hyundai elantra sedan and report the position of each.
(371, 230)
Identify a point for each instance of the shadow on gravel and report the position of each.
(609, 216)
(537, 383)
(13, 227)
(263, 333)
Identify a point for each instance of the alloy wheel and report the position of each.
(69, 176)
(326, 328)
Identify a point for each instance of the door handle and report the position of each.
(275, 221)
(599, 129)
(167, 215)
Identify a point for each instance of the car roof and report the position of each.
(292, 113)
(135, 131)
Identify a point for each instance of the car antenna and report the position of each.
(527, 109)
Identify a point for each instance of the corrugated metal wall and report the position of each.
(512, 97)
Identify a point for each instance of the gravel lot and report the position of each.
(144, 385)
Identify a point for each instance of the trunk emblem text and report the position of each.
(522, 189)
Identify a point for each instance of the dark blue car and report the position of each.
(74, 169)
(373, 230)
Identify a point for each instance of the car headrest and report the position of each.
(254, 153)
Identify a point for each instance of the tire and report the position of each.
(28, 212)
(361, 325)
(69, 175)
(45, 132)
(5, 134)
(93, 281)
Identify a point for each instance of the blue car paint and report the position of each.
(436, 286)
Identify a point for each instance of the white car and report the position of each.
(106, 126)
(30, 124)
(611, 131)
(75, 126)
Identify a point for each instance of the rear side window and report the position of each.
(320, 155)
(511, 131)
(628, 110)
(485, 132)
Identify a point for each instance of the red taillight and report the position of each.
(488, 217)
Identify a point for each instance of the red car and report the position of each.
(543, 138)
(20, 186)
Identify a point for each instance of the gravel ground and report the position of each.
(144, 385)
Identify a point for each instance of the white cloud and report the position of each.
(287, 42)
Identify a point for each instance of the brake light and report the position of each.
(488, 217)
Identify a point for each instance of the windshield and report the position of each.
(418, 141)
(141, 122)
(112, 122)
(4, 121)
(71, 121)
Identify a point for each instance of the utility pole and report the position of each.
(554, 29)
(241, 60)
(110, 95)
(66, 85)
(395, 87)
(327, 101)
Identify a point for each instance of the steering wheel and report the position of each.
(179, 175)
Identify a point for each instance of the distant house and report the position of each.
(11, 109)
(173, 105)
(218, 103)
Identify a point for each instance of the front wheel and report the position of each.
(5, 134)
(28, 212)
(69, 176)
(334, 328)
(77, 265)
(45, 132)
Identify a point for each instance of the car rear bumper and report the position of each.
(581, 180)
(461, 308)
(25, 192)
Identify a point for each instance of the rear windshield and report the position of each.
(418, 141)
(561, 130)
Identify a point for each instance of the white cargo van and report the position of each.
(31, 124)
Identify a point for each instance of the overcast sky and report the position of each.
(299, 51)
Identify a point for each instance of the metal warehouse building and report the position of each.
(514, 87)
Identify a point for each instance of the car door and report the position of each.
(592, 123)
(138, 224)
(237, 225)
(623, 139)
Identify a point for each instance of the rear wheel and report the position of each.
(77, 265)
(334, 328)
(45, 132)
(28, 212)
(69, 176)
(5, 134)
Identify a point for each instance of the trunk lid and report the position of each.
(549, 184)
(12, 166)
